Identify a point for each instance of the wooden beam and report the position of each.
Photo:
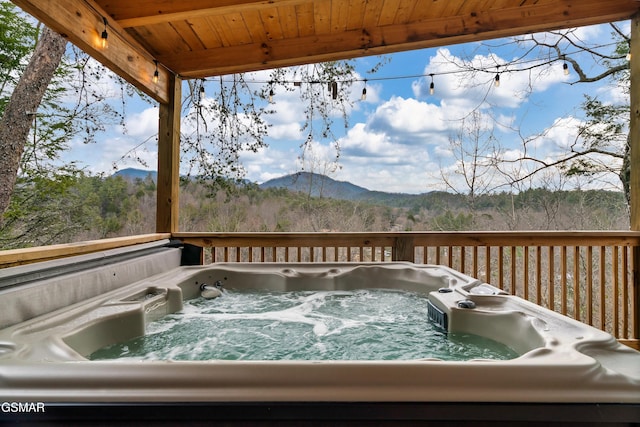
(392, 38)
(81, 22)
(169, 160)
(140, 13)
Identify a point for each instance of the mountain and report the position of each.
(132, 174)
(317, 185)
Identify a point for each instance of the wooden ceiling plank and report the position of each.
(166, 36)
(371, 14)
(80, 24)
(388, 12)
(254, 26)
(222, 28)
(356, 13)
(471, 7)
(141, 35)
(306, 24)
(136, 13)
(289, 21)
(430, 9)
(404, 13)
(428, 33)
(339, 15)
(186, 32)
(208, 35)
(322, 16)
(452, 8)
(271, 21)
(241, 34)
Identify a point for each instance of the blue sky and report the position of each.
(399, 138)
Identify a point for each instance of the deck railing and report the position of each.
(588, 276)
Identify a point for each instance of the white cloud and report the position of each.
(142, 124)
(408, 117)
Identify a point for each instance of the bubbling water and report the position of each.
(303, 325)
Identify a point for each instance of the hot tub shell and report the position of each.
(561, 360)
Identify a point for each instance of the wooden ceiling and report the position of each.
(201, 38)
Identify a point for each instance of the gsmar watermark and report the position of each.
(21, 407)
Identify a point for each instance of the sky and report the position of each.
(401, 138)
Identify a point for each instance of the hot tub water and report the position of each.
(362, 324)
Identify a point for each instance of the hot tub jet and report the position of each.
(209, 291)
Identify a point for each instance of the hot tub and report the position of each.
(565, 369)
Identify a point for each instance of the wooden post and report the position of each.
(634, 141)
(404, 249)
(169, 159)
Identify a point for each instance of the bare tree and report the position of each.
(601, 143)
(474, 148)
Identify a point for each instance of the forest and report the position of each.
(93, 207)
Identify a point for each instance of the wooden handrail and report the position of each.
(14, 257)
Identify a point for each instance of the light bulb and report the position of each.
(155, 73)
(104, 43)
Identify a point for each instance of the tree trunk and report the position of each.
(19, 113)
(625, 171)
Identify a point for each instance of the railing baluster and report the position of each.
(514, 286)
(475, 261)
(501, 267)
(538, 275)
(603, 284)
(590, 285)
(525, 272)
(552, 279)
(488, 263)
(615, 261)
(576, 283)
(563, 279)
(625, 292)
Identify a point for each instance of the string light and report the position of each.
(332, 86)
(104, 36)
(271, 96)
(155, 73)
(364, 91)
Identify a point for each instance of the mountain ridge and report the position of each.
(316, 185)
